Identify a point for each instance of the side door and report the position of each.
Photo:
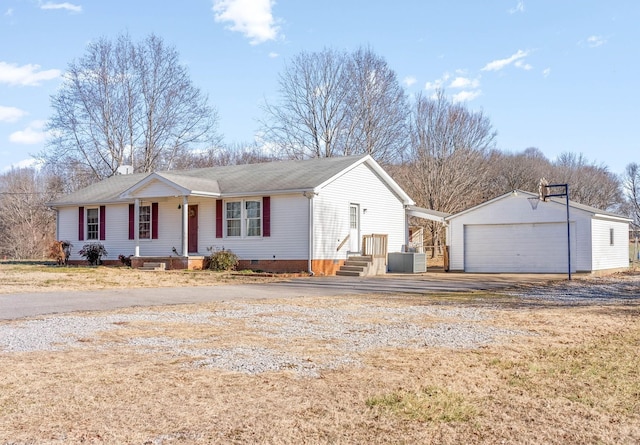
(354, 227)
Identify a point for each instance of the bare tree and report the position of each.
(589, 184)
(127, 103)
(511, 171)
(334, 103)
(226, 155)
(631, 181)
(27, 226)
(449, 154)
(377, 108)
(447, 168)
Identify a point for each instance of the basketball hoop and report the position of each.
(543, 190)
(534, 200)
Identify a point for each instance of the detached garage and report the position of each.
(516, 233)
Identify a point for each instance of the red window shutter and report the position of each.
(266, 216)
(103, 222)
(81, 223)
(132, 222)
(154, 220)
(218, 218)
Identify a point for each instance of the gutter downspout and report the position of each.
(406, 229)
(310, 196)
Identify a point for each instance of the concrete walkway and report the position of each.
(14, 306)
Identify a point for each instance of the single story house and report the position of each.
(287, 216)
(518, 233)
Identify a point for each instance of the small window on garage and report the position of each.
(611, 237)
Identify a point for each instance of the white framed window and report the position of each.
(93, 224)
(243, 218)
(144, 222)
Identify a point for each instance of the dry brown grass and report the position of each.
(43, 277)
(575, 380)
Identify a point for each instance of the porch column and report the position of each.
(185, 226)
(136, 229)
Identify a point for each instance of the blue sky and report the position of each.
(559, 75)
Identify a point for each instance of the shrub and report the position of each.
(124, 259)
(222, 260)
(60, 251)
(93, 253)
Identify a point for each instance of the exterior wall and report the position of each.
(288, 240)
(517, 210)
(605, 255)
(289, 233)
(326, 267)
(385, 213)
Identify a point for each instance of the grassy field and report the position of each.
(568, 374)
(38, 276)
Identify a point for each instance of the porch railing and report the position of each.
(375, 245)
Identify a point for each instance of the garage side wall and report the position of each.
(516, 210)
(610, 244)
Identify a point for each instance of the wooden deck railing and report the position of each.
(375, 245)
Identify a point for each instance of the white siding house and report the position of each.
(278, 216)
(507, 234)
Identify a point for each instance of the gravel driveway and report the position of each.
(349, 327)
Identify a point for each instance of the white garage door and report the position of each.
(533, 248)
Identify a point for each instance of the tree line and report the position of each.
(132, 103)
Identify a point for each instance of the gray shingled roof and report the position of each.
(572, 204)
(280, 176)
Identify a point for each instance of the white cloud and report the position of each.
(519, 7)
(273, 55)
(25, 75)
(33, 134)
(9, 12)
(11, 114)
(464, 82)
(25, 163)
(438, 83)
(523, 65)
(409, 81)
(253, 18)
(67, 6)
(499, 64)
(596, 41)
(546, 72)
(466, 96)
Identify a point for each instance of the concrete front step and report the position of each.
(351, 268)
(357, 263)
(355, 266)
(153, 266)
(348, 273)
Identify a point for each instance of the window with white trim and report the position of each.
(93, 224)
(243, 218)
(144, 222)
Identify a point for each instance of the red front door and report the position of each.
(193, 229)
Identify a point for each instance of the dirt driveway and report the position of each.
(20, 305)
